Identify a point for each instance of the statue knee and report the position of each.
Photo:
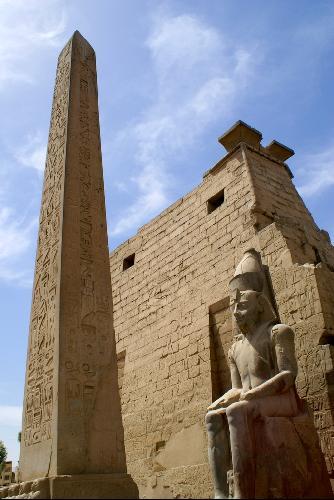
(237, 410)
(213, 420)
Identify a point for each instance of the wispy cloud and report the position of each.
(15, 240)
(197, 78)
(179, 43)
(25, 27)
(33, 152)
(10, 416)
(316, 173)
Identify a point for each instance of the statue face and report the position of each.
(245, 307)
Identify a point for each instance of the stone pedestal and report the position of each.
(289, 461)
(75, 486)
(93, 486)
(72, 432)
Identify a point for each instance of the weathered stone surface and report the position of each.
(72, 419)
(93, 486)
(75, 486)
(289, 461)
(240, 132)
(171, 308)
(279, 151)
(3, 491)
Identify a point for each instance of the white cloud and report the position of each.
(151, 185)
(10, 416)
(26, 26)
(15, 240)
(316, 172)
(33, 153)
(177, 44)
(197, 78)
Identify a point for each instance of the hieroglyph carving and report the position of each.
(88, 324)
(81, 373)
(40, 369)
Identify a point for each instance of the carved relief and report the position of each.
(40, 369)
(87, 347)
(84, 342)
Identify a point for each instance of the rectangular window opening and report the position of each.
(128, 261)
(215, 201)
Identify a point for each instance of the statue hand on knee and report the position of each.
(226, 399)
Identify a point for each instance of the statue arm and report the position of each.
(235, 375)
(283, 340)
(232, 395)
(284, 343)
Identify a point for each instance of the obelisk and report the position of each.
(72, 432)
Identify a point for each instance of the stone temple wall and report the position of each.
(171, 312)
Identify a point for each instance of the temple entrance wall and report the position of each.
(171, 316)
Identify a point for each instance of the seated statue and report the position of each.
(263, 370)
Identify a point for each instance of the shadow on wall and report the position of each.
(221, 335)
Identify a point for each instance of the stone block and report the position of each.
(279, 151)
(81, 486)
(93, 486)
(240, 132)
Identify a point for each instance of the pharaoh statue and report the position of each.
(261, 415)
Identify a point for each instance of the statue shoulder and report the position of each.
(236, 340)
(281, 332)
(283, 343)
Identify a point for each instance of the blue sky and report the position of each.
(172, 77)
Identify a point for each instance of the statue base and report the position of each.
(75, 486)
(295, 461)
(289, 462)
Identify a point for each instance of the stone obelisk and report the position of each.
(72, 431)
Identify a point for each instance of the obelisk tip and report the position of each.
(77, 37)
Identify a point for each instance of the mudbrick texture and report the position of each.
(171, 311)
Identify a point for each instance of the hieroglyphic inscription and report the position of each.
(81, 343)
(72, 410)
(87, 343)
(40, 368)
(315, 367)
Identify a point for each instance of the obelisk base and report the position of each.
(75, 486)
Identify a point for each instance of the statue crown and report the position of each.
(248, 274)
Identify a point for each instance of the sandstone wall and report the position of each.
(172, 321)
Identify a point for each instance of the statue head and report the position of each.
(249, 304)
(250, 309)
